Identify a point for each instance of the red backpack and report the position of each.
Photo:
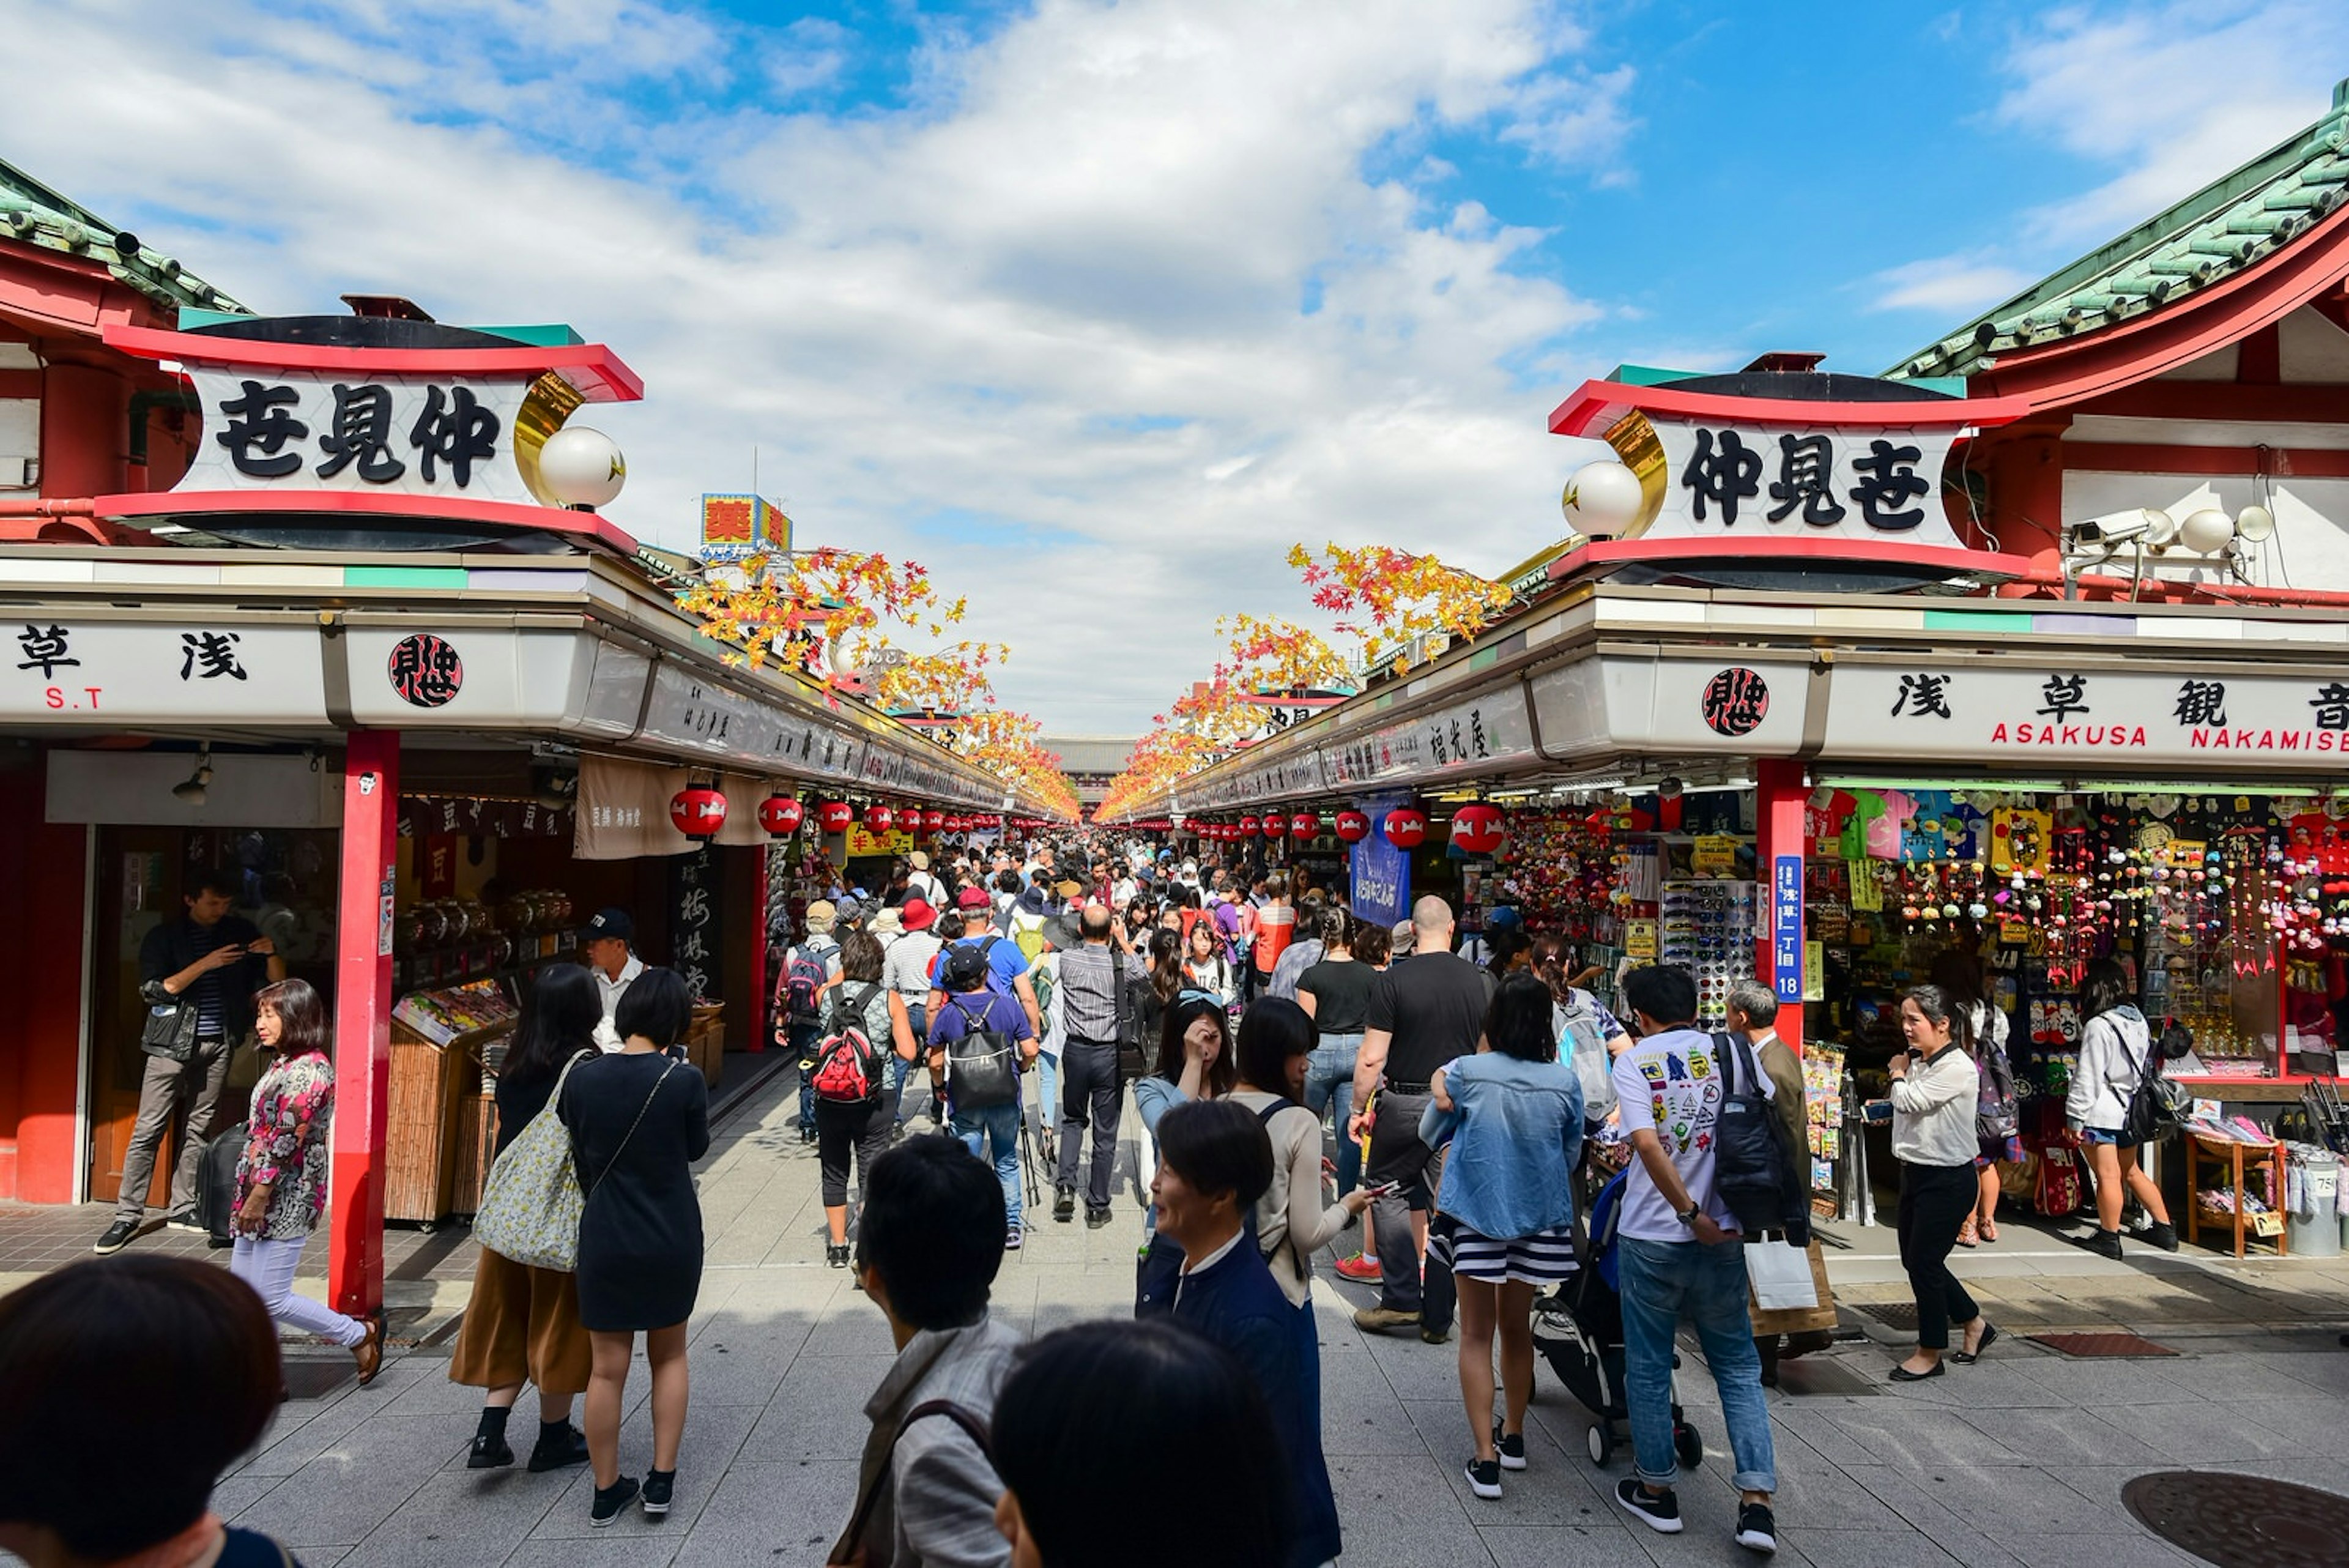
(847, 1064)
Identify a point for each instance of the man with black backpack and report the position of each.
(1695, 1108)
(809, 966)
(1095, 1014)
(981, 1039)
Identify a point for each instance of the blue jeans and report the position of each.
(1047, 1078)
(804, 1043)
(1001, 1124)
(1330, 1081)
(1661, 1281)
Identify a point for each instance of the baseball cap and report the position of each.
(917, 914)
(972, 899)
(965, 967)
(820, 915)
(609, 923)
(1502, 918)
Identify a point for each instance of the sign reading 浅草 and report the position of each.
(146, 672)
(302, 430)
(2209, 719)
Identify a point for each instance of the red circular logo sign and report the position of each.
(426, 672)
(1735, 701)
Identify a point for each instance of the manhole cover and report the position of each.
(315, 1379)
(1897, 1315)
(2243, 1520)
(2101, 1345)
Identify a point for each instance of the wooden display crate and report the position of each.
(476, 1145)
(426, 1120)
(705, 1041)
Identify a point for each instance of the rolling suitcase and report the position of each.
(216, 1184)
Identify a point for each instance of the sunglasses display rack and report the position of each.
(1706, 927)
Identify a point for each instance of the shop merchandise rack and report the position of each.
(1707, 928)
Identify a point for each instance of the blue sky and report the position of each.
(1095, 308)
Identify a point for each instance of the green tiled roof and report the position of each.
(31, 213)
(2221, 229)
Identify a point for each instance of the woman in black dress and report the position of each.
(639, 1118)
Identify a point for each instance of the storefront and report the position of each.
(428, 727)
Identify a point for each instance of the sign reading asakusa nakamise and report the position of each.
(2072, 714)
(415, 435)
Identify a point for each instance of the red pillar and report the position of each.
(363, 1021)
(1780, 794)
(755, 1036)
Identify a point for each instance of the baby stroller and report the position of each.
(1578, 1329)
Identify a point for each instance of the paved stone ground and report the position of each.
(2018, 1461)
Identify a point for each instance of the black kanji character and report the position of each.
(1889, 477)
(458, 435)
(2201, 702)
(2064, 695)
(1458, 750)
(46, 648)
(258, 423)
(362, 435)
(209, 655)
(1923, 697)
(1735, 701)
(1435, 744)
(1725, 476)
(1476, 733)
(1806, 473)
(2331, 702)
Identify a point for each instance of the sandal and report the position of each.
(1987, 1230)
(1966, 1232)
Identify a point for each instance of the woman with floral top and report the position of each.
(281, 1178)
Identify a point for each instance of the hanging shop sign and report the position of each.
(74, 670)
(1641, 705)
(2018, 715)
(1480, 734)
(273, 428)
(696, 922)
(1295, 774)
(625, 810)
(1378, 873)
(864, 841)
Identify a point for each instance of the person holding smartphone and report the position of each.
(214, 962)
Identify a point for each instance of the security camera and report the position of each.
(2148, 526)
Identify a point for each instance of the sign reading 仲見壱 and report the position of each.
(266, 428)
(1732, 480)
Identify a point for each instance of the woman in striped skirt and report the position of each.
(1514, 1114)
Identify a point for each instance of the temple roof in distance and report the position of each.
(2228, 226)
(33, 214)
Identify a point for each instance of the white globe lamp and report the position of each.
(582, 468)
(2206, 531)
(1602, 499)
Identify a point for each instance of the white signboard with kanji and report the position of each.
(411, 435)
(63, 669)
(1750, 481)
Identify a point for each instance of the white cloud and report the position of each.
(1946, 286)
(930, 322)
(2173, 94)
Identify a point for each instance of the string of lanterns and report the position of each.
(699, 812)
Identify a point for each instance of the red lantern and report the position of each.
(697, 812)
(1406, 828)
(934, 819)
(1477, 829)
(878, 819)
(1275, 824)
(780, 816)
(1305, 824)
(1250, 827)
(1352, 827)
(957, 825)
(834, 815)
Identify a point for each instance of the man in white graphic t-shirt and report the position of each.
(1678, 1252)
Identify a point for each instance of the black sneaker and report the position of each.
(837, 1257)
(1011, 1240)
(489, 1453)
(117, 1236)
(1758, 1528)
(1483, 1476)
(1660, 1514)
(569, 1449)
(660, 1484)
(1511, 1446)
(1096, 1218)
(1064, 1204)
(610, 1500)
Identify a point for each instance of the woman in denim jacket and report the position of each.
(1514, 1114)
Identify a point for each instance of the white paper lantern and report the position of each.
(582, 467)
(1602, 499)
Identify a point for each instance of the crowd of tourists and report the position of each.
(1479, 1135)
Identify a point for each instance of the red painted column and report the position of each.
(1779, 797)
(363, 1021)
(755, 1036)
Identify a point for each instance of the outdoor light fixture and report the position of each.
(1670, 788)
(2205, 531)
(1602, 499)
(582, 468)
(191, 792)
